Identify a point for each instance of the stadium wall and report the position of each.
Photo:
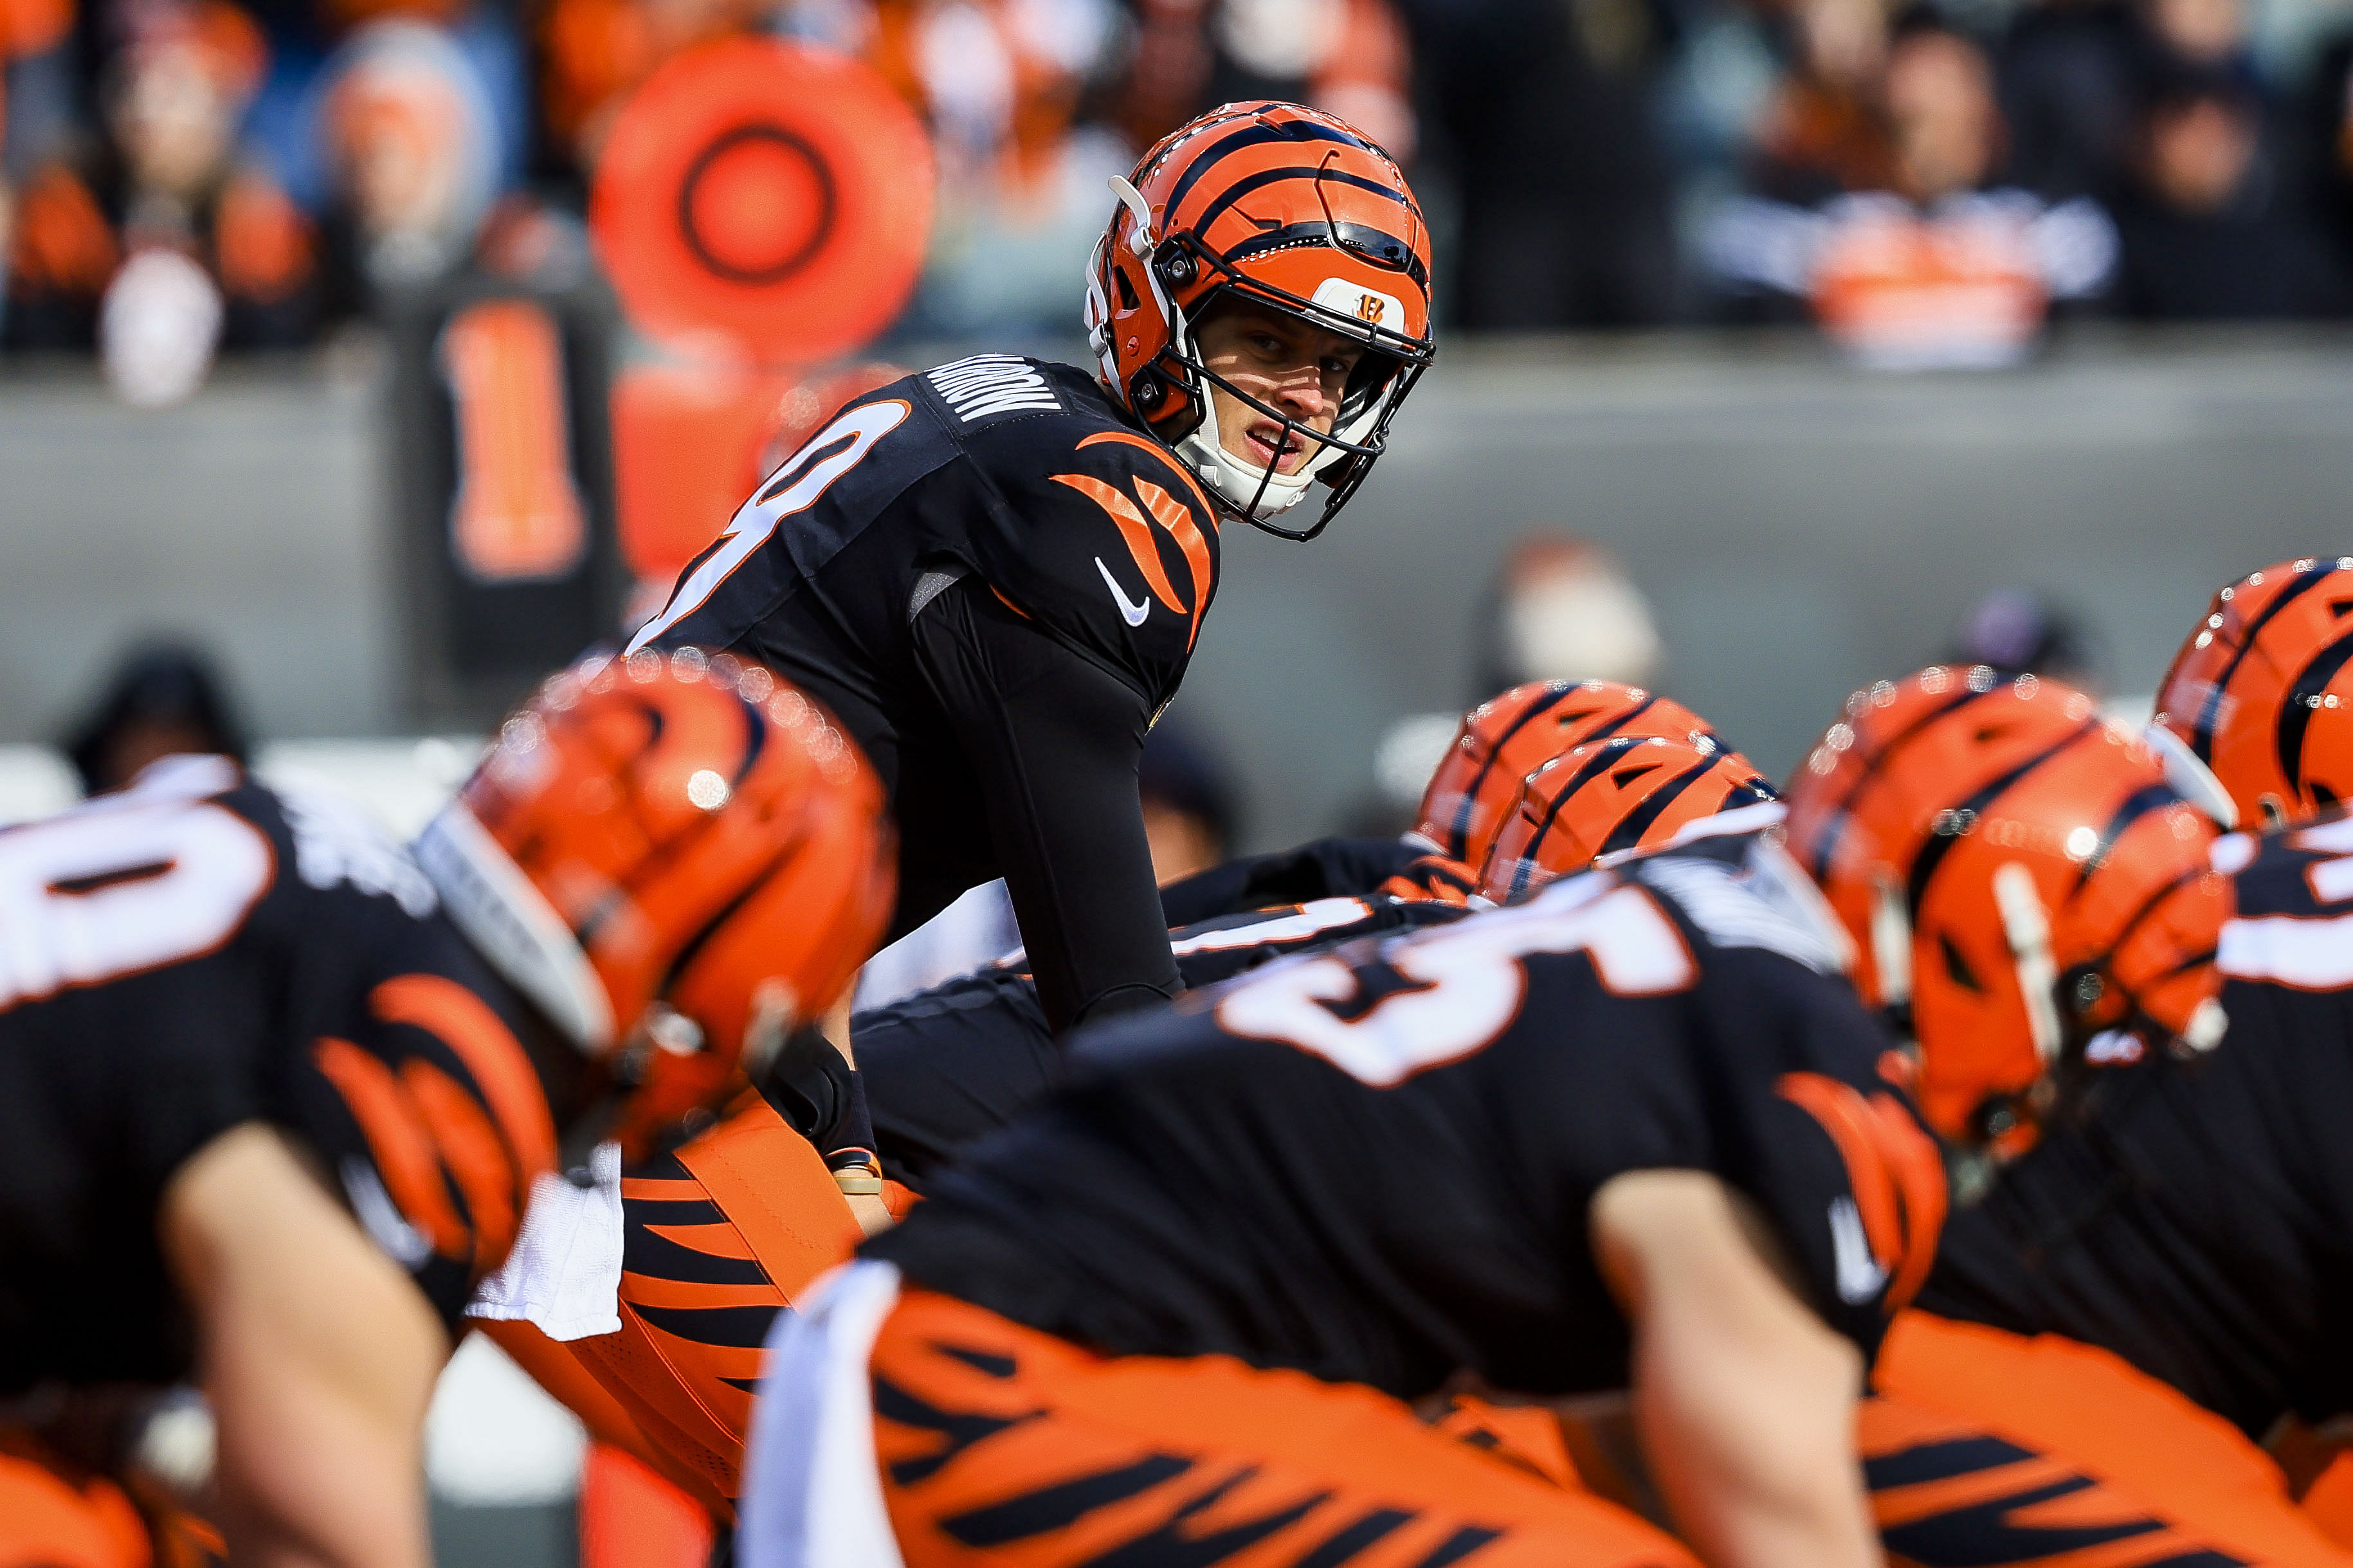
(1801, 527)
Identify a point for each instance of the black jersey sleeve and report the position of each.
(1053, 741)
(1099, 538)
(427, 1113)
(1320, 868)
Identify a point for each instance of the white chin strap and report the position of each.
(1237, 481)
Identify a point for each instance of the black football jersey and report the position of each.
(2196, 1218)
(198, 952)
(1017, 471)
(1376, 1165)
(947, 1066)
(893, 568)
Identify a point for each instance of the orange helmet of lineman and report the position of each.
(1506, 738)
(2262, 690)
(2025, 889)
(1285, 208)
(679, 858)
(1627, 793)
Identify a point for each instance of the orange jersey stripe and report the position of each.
(1141, 544)
(397, 1138)
(1178, 522)
(1184, 475)
(474, 1157)
(500, 1069)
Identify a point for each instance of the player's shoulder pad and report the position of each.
(1094, 528)
(1739, 888)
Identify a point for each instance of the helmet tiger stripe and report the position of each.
(1291, 209)
(1627, 793)
(2018, 876)
(2262, 692)
(679, 858)
(1506, 738)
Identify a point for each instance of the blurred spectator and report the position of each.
(1541, 117)
(1560, 608)
(2211, 229)
(2323, 151)
(35, 101)
(1922, 261)
(1563, 609)
(186, 241)
(2018, 632)
(1826, 131)
(415, 146)
(162, 699)
(2068, 72)
(1021, 192)
(1189, 807)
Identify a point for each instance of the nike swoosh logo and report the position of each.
(1131, 613)
(1859, 1276)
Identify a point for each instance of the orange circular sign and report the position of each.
(774, 193)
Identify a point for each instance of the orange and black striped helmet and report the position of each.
(1289, 208)
(1506, 738)
(2262, 690)
(2019, 879)
(1629, 792)
(677, 858)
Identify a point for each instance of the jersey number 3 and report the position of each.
(1449, 995)
(794, 488)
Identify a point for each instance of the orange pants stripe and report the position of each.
(1983, 1449)
(1004, 1447)
(749, 1218)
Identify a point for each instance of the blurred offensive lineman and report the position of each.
(738, 1222)
(1632, 1132)
(267, 1118)
(995, 573)
(2033, 897)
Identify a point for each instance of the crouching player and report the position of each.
(1632, 1133)
(273, 1094)
(2163, 1276)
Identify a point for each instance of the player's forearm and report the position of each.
(318, 1355)
(1743, 1398)
(1757, 1464)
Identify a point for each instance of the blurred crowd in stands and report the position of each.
(1587, 163)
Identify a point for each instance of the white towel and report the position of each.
(564, 1276)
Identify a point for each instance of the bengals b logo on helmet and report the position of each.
(1288, 209)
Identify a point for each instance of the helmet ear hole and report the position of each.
(1956, 964)
(1127, 300)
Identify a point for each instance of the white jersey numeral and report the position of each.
(2303, 953)
(794, 488)
(120, 886)
(1462, 985)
